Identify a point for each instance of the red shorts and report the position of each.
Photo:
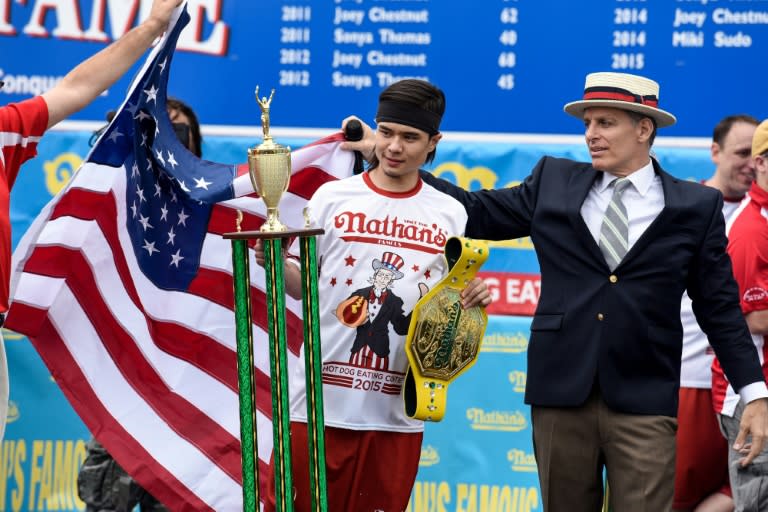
(701, 466)
(365, 469)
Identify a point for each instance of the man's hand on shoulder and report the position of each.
(754, 423)
(365, 145)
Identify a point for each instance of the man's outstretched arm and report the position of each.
(96, 74)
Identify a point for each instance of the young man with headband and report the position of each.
(385, 232)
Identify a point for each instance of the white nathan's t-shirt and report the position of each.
(696, 365)
(378, 250)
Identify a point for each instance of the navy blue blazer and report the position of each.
(620, 330)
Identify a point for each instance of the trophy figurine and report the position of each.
(269, 165)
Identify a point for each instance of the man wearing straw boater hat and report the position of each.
(618, 241)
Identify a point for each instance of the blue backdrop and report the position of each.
(490, 469)
(506, 65)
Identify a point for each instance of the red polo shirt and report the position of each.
(21, 125)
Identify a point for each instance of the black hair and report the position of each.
(193, 134)
(196, 138)
(637, 117)
(419, 93)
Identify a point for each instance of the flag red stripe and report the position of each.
(185, 418)
(128, 452)
(100, 207)
(223, 220)
(305, 182)
(210, 356)
(208, 285)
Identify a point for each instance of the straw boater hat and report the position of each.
(624, 91)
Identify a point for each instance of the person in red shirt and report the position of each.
(22, 124)
(748, 249)
(701, 465)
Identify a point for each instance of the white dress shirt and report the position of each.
(644, 200)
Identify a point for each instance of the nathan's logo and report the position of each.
(477, 178)
(429, 456)
(513, 343)
(11, 335)
(359, 227)
(755, 294)
(523, 243)
(517, 378)
(465, 178)
(59, 171)
(444, 351)
(13, 411)
(496, 420)
(521, 461)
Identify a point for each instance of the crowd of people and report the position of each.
(646, 355)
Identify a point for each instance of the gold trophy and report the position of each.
(270, 169)
(269, 164)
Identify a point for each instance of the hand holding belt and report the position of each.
(444, 339)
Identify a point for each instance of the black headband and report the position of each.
(409, 115)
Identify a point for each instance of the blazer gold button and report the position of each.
(613, 278)
(600, 316)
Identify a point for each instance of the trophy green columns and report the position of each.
(278, 371)
(314, 377)
(276, 327)
(245, 377)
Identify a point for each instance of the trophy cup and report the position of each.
(270, 170)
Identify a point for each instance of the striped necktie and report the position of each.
(614, 233)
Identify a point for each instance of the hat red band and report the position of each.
(614, 93)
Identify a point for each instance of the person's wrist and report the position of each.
(155, 26)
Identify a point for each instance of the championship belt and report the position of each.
(444, 339)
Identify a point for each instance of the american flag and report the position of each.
(124, 286)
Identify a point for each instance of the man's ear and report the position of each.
(434, 140)
(645, 126)
(714, 151)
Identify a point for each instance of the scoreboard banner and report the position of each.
(507, 66)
